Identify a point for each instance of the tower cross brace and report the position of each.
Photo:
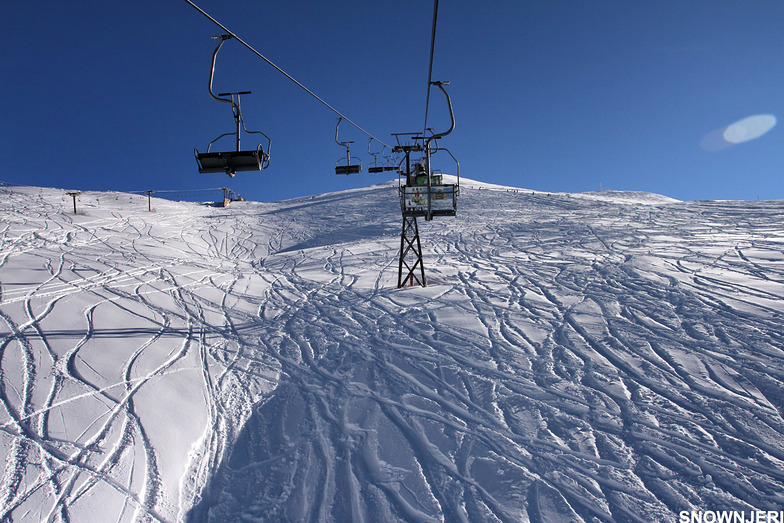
(410, 255)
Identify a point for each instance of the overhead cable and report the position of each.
(281, 71)
(430, 67)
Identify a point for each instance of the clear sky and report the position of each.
(548, 95)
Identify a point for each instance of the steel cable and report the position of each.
(284, 73)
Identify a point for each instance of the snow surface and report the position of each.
(596, 357)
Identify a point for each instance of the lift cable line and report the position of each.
(281, 71)
(425, 192)
(430, 67)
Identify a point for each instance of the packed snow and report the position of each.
(609, 356)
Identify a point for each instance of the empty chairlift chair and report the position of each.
(348, 167)
(230, 162)
(375, 168)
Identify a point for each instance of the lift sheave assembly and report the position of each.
(230, 162)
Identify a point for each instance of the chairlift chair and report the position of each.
(348, 168)
(375, 168)
(424, 193)
(391, 165)
(236, 160)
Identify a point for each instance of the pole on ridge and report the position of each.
(74, 194)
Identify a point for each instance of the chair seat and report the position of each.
(348, 169)
(229, 162)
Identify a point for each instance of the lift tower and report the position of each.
(410, 246)
(423, 194)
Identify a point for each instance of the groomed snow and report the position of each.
(608, 356)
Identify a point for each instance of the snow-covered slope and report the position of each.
(574, 358)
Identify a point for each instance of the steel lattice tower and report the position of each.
(410, 255)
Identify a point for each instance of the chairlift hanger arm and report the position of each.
(344, 144)
(441, 85)
(375, 154)
(222, 39)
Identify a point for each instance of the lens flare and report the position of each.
(744, 130)
(749, 128)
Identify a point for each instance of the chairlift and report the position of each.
(375, 168)
(389, 166)
(424, 193)
(237, 160)
(348, 168)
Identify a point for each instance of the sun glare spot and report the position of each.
(744, 130)
(749, 128)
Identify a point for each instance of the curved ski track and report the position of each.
(573, 359)
(111, 321)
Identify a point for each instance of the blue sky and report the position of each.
(548, 95)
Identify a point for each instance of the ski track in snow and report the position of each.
(593, 357)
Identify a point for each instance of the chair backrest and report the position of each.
(348, 169)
